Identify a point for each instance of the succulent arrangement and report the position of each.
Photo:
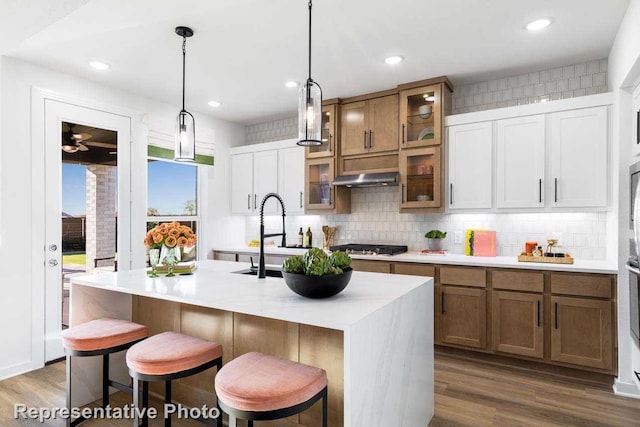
(315, 262)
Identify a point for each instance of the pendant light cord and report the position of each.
(184, 57)
(310, 5)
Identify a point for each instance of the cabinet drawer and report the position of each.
(476, 277)
(581, 285)
(517, 281)
(372, 266)
(224, 256)
(414, 269)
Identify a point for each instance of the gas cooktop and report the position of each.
(368, 249)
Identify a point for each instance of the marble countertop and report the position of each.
(579, 266)
(214, 285)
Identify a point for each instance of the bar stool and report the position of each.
(258, 387)
(100, 337)
(165, 357)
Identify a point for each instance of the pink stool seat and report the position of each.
(257, 382)
(101, 334)
(171, 352)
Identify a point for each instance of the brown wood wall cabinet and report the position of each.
(321, 196)
(399, 129)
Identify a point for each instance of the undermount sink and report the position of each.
(254, 272)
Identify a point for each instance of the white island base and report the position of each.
(375, 339)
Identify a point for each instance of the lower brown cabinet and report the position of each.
(517, 324)
(581, 331)
(462, 316)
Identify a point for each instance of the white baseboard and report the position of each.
(626, 389)
(12, 371)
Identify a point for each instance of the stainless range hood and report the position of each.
(368, 179)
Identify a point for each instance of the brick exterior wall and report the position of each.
(101, 213)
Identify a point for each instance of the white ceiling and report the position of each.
(244, 51)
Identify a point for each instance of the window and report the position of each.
(172, 195)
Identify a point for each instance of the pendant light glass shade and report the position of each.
(310, 114)
(185, 148)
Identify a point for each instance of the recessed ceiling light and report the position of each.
(392, 60)
(99, 65)
(292, 84)
(538, 24)
(213, 103)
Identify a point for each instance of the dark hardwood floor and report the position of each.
(468, 393)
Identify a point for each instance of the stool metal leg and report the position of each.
(167, 400)
(136, 402)
(250, 423)
(233, 421)
(218, 367)
(145, 403)
(68, 387)
(105, 380)
(324, 408)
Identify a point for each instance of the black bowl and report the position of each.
(317, 286)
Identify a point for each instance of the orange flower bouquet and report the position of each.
(170, 234)
(165, 243)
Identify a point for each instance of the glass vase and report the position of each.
(170, 260)
(154, 258)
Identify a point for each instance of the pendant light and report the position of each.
(185, 148)
(310, 107)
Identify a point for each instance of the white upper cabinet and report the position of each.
(470, 166)
(242, 183)
(265, 180)
(579, 158)
(520, 162)
(273, 167)
(291, 178)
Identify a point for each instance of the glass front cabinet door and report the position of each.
(420, 175)
(421, 116)
(319, 181)
(327, 149)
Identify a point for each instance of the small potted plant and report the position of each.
(435, 239)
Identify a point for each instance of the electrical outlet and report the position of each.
(458, 237)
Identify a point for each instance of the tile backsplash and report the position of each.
(375, 219)
(587, 78)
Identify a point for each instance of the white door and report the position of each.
(470, 154)
(579, 158)
(520, 162)
(55, 113)
(242, 184)
(291, 178)
(265, 180)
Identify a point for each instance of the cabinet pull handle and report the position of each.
(450, 194)
(301, 200)
(555, 309)
(442, 302)
(540, 190)
(248, 202)
(555, 191)
(330, 143)
(538, 313)
(330, 193)
(403, 133)
(365, 139)
(402, 194)
(370, 139)
(255, 201)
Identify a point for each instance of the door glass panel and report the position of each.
(420, 116)
(319, 184)
(326, 135)
(420, 172)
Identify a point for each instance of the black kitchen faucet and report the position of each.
(262, 271)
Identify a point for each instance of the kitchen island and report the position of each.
(375, 339)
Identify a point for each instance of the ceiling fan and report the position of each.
(73, 142)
